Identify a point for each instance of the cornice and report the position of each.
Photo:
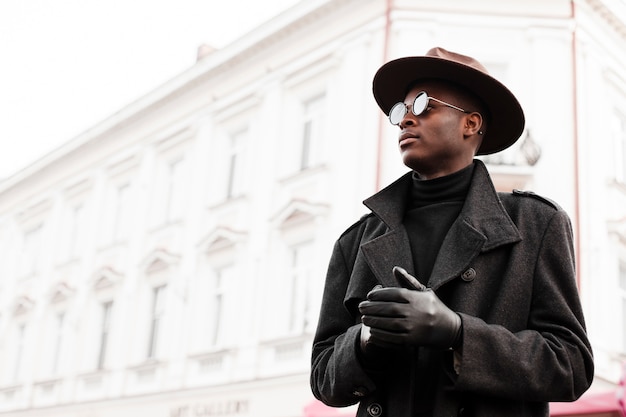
(614, 14)
(242, 50)
(266, 36)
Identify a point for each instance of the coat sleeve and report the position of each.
(550, 360)
(337, 376)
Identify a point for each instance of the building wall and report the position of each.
(170, 261)
(601, 96)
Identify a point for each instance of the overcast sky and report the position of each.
(68, 64)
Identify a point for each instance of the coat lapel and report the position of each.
(385, 252)
(392, 248)
(482, 225)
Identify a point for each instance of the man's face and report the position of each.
(433, 143)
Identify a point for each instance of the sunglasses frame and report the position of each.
(420, 95)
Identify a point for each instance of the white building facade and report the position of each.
(169, 262)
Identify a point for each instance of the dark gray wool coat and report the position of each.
(506, 266)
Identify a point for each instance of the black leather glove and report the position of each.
(409, 317)
(365, 343)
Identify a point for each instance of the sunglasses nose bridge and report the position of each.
(399, 113)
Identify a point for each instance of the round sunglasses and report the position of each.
(420, 104)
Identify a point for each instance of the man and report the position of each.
(449, 298)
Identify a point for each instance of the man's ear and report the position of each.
(473, 124)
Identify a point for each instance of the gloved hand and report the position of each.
(365, 343)
(409, 317)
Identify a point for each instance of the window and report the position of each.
(312, 132)
(57, 342)
(52, 334)
(19, 346)
(618, 127)
(291, 312)
(71, 233)
(156, 320)
(218, 305)
(174, 201)
(76, 224)
(234, 164)
(169, 198)
(298, 303)
(123, 207)
(116, 226)
(105, 329)
(31, 251)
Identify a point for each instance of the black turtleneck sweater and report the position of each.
(431, 209)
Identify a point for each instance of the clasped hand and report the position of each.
(408, 317)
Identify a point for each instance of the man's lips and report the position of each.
(407, 137)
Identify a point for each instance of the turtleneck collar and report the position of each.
(451, 188)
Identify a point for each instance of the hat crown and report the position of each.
(504, 113)
(439, 52)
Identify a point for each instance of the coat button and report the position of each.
(374, 410)
(469, 275)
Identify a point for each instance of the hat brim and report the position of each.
(507, 117)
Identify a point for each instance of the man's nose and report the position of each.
(409, 119)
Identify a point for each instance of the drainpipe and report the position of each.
(381, 117)
(577, 226)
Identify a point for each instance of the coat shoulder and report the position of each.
(522, 196)
(523, 206)
(359, 223)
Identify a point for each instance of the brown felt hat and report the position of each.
(506, 118)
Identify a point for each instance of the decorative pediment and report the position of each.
(530, 149)
(617, 227)
(221, 238)
(525, 153)
(106, 277)
(298, 212)
(23, 305)
(159, 260)
(61, 292)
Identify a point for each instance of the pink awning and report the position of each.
(606, 404)
(318, 409)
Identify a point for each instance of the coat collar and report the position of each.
(482, 225)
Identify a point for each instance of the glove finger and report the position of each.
(405, 279)
(400, 295)
(383, 344)
(376, 288)
(385, 338)
(382, 308)
(395, 325)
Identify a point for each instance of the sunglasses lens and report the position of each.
(397, 113)
(420, 103)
